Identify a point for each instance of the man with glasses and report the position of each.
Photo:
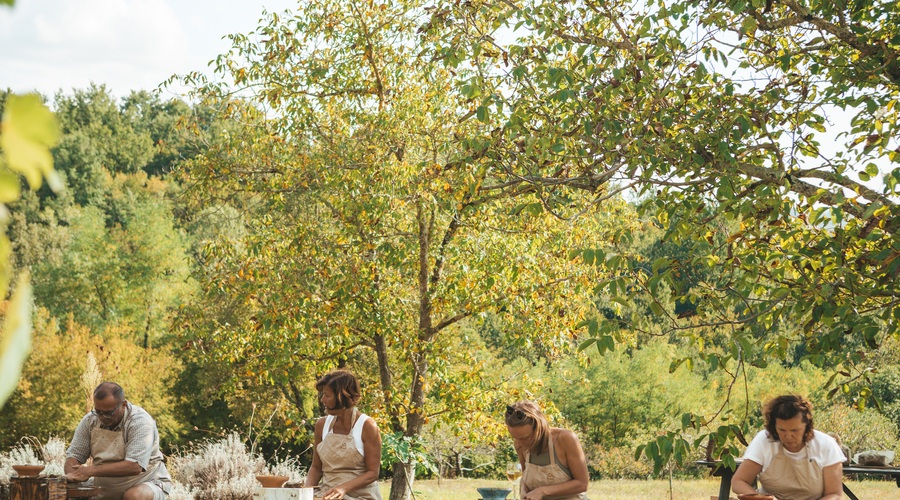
(122, 441)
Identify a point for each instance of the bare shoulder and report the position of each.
(565, 436)
(370, 425)
(566, 440)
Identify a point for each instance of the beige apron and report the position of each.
(534, 476)
(341, 462)
(790, 479)
(109, 446)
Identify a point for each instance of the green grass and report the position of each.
(693, 489)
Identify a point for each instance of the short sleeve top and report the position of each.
(822, 448)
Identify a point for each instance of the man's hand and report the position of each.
(79, 473)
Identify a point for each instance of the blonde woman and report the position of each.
(553, 462)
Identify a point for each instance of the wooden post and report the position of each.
(37, 488)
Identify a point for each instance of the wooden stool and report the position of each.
(37, 488)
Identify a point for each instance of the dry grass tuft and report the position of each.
(52, 455)
(224, 470)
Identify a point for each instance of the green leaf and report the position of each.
(875, 205)
(660, 263)
(587, 343)
(15, 339)
(687, 420)
(482, 113)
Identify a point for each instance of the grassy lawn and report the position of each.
(694, 489)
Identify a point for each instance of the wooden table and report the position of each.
(725, 474)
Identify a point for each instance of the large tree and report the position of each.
(762, 135)
(363, 244)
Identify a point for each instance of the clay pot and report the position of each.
(271, 481)
(28, 470)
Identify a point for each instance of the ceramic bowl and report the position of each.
(28, 470)
(271, 481)
(494, 493)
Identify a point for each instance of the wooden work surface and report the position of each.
(81, 492)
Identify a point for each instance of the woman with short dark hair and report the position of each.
(791, 460)
(553, 462)
(347, 448)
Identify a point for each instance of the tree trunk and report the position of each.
(402, 483)
(387, 382)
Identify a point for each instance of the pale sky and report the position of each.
(52, 45)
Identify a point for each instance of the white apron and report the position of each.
(534, 476)
(342, 461)
(791, 479)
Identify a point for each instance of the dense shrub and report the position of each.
(616, 463)
(859, 430)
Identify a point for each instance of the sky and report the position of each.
(61, 45)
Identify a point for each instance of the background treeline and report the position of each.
(128, 264)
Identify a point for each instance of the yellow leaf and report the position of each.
(10, 188)
(29, 131)
(15, 339)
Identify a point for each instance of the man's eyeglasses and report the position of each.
(107, 414)
(519, 414)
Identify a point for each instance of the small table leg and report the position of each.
(724, 487)
(848, 492)
(725, 483)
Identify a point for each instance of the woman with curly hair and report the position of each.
(791, 460)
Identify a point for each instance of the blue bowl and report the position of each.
(494, 493)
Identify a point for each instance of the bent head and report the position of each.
(789, 420)
(109, 403)
(528, 426)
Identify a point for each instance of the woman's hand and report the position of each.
(755, 496)
(336, 493)
(535, 494)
